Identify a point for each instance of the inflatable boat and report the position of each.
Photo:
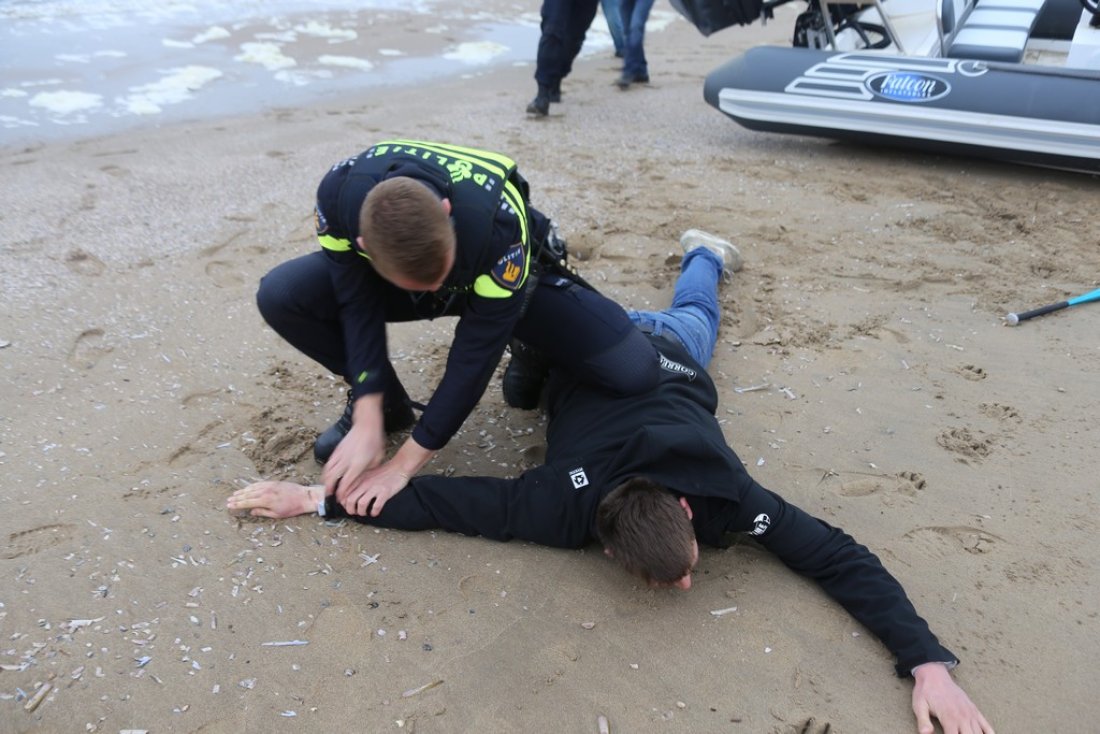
(1013, 80)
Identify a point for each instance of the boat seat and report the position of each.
(988, 30)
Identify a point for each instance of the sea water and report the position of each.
(77, 68)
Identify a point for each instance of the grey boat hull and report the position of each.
(1020, 113)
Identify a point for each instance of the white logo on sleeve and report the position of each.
(669, 366)
(578, 477)
(761, 524)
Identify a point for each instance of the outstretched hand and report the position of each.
(275, 499)
(935, 694)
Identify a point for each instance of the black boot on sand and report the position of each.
(524, 377)
(540, 105)
(397, 415)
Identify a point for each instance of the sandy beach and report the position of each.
(864, 370)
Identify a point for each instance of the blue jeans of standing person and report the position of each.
(635, 13)
(693, 316)
(612, 12)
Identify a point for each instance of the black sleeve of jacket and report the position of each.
(357, 289)
(483, 331)
(848, 572)
(362, 317)
(534, 507)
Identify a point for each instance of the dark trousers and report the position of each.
(564, 25)
(577, 329)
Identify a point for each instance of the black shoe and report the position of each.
(327, 442)
(625, 80)
(539, 106)
(397, 415)
(524, 377)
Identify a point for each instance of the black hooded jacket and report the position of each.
(596, 441)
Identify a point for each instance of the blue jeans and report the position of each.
(634, 14)
(693, 316)
(612, 12)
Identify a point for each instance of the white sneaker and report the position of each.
(696, 238)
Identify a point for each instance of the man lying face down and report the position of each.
(650, 477)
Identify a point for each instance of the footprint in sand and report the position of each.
(117, 171)
(83, 262)
(961, 441)
(280, 443)
(941, 541)
(972, 372)
(35, 540)
(551, 663)
(224, 274)
(476, 585)
(88, 348)
(1000, 412)
(907, 483)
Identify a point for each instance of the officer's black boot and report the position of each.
(555, 93)
(525, 376)
(397, 415)
(540, 105)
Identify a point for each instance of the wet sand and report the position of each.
(140, 387)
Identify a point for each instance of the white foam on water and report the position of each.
(214, 33)
(89, 58)
(324, 30)
(475, 52)
(268, 55)
(8, 121)
(347, 62)
(40, 82)
(285, 36)
(302, 77)
(66, 102)
(256, 50)
(176, 87)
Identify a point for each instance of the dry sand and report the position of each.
(139, 387)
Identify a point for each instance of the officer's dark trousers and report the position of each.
(576, 328)
(564, 25)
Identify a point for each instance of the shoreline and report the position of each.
(88, 86)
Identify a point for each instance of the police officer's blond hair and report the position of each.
(406, 231)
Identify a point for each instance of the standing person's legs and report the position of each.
(553, 42)
(634, 61)
(581, 15)
(553, 52)
(612, 12)
(694, 315)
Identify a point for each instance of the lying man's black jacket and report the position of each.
(596, 441)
